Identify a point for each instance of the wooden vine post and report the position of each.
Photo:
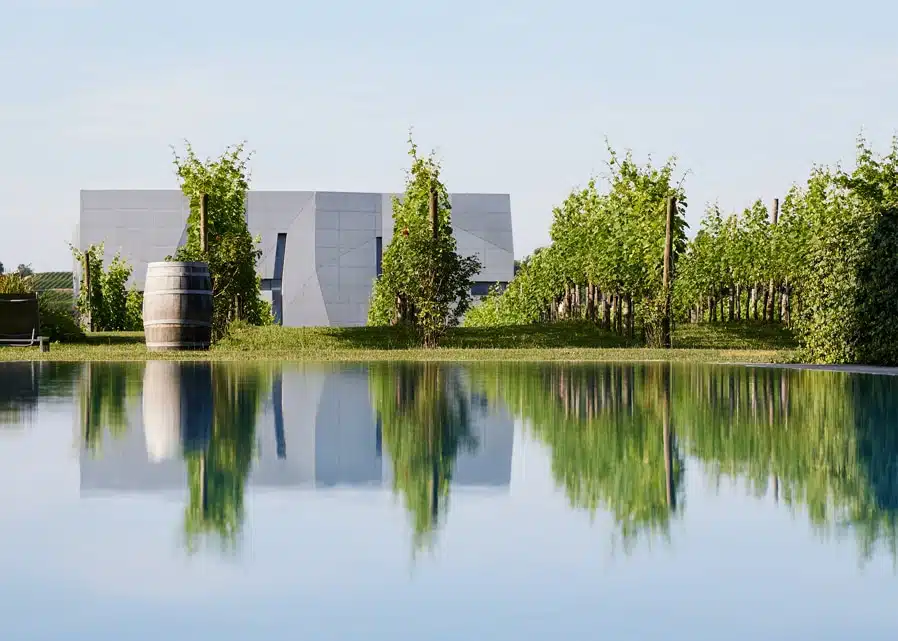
(87, 297)
(204, 223)
(434, 214)
(668, 256)
(771, 286)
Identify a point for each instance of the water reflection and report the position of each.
(104, 390)
(821, 442)
(219, 428)
(217, 474)
(18, 393)
(425, 413)
(25, 384)
(610, 433)
(622, 439)
(177, 408)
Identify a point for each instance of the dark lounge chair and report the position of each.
(20, 321)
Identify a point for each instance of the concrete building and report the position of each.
(317, 431)
(321, 251)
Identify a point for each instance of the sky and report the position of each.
(514, 96)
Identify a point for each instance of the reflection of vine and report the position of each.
(610, 433)
(424, 409)
(825, 441)
(217, 475)
(104, 390)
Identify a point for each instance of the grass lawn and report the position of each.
(729, 343)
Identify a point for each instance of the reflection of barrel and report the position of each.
(177, 407)
(177, 306)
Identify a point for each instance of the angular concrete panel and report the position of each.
(329, 238)
(357, 221)
(302, 299)
(346, 201)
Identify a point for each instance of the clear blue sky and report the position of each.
(515, 96)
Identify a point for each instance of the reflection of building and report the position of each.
(321, 251)
(319, 430)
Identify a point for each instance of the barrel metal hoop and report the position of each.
(160, 292)
(178, 264)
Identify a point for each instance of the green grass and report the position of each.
(743, 342)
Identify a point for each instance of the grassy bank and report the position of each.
(560, 342)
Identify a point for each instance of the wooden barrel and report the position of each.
(177, 306)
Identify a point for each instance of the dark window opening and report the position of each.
(482, 288)
(379, 244)
(275, 283)
(378, 437)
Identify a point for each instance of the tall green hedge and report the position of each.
(850, 269)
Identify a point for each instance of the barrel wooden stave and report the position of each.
(177, 306)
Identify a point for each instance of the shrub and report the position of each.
(134, 310)
(15, 283)
(850, 271)
(58, 317)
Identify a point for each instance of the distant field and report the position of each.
(742, 342)
(53, 280)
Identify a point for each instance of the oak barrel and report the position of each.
(177, 306)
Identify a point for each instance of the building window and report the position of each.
(379, 244)
(274, 285)
(378, 437)
(482, 288)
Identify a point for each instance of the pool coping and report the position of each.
(850, 369)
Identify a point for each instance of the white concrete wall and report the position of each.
(481, 224)
(144, 225)
(269, 213)
(330, 258)
(345, 253)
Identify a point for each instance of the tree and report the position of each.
(232, 252)
(24, 270)
(424, 285)
(1, 269)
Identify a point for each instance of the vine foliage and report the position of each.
(112, 307)
(232, 252)
(827, 268)
(425, 284)
(605, 262)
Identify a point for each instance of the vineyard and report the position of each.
(824, 262)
